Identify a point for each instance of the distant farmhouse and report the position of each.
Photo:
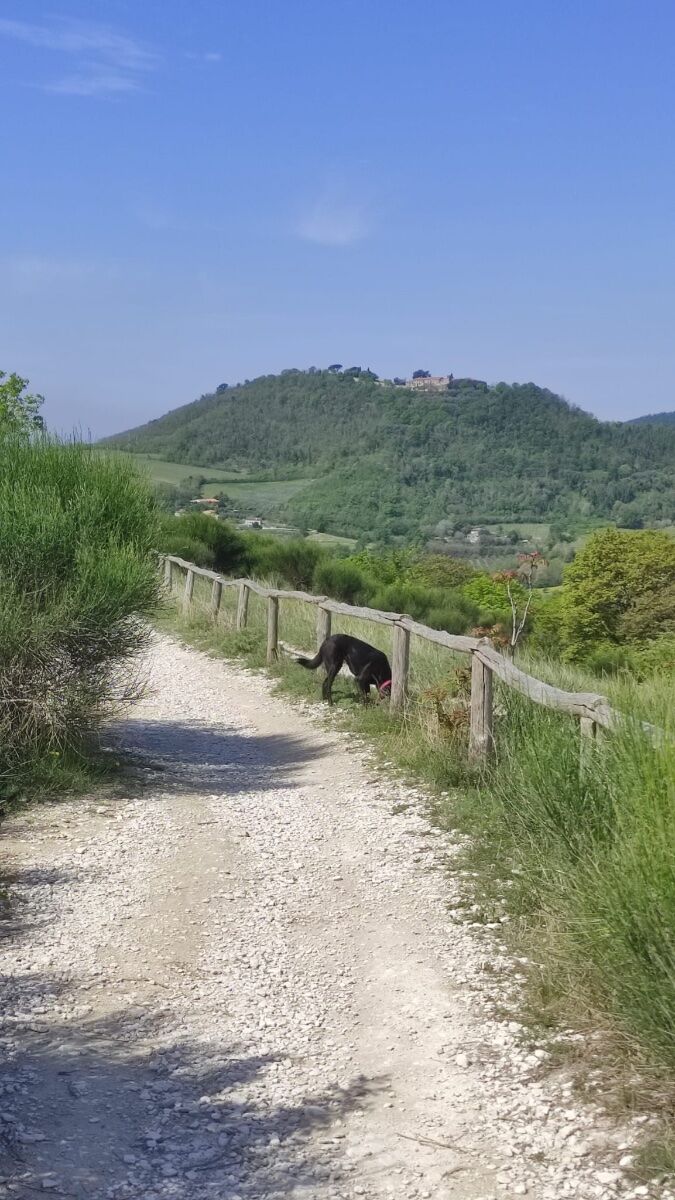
(429, 383)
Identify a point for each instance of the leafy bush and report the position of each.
(643, 661)
(76, 533)
(608, 659)
(191, 549)
(439, 607)
(451, 619)
(546, 632)
(292, 562)
(385, 567)
(228, 548)
(616, 586)
(654, 658)
(440, 570)
(340, 580)
(490, 596)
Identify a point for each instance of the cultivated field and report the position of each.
(256, 494)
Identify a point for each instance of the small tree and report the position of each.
(421, 374)
(519, 585)
(335, 367)
(19, 410)
(617, 588)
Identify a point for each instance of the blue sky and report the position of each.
(205, 192)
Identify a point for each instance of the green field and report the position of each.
(332, 539)
(161, 471)
(260, 495)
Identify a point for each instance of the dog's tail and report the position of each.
(310, 663)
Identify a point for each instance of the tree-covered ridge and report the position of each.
(662, 418)
(388, 461)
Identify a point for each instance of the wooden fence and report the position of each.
(592, 710)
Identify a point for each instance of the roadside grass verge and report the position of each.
(579, 863)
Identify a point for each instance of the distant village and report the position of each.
(428, 383)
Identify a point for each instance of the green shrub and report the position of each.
(545, 633)
(76, 533)
(444, 608)
(490, 595)
(385, 567)
(227, 546)
(608, 659)
(340, 580)
(187, 548)
(654, 658)
(440, 570)
(615, 589)
(291, 562)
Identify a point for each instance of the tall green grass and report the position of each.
(77, 578)
(592, 850)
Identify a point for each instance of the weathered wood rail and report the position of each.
(592, 710)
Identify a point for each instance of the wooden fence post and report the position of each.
(189, 588)
(216, 596)
(242, 606)
(168, 573)
(272, 628)
(323, 622)
(400, 662)
(481, 738)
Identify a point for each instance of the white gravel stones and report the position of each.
(244, 982)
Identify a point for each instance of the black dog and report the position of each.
(370, 666)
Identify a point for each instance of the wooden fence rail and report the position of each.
(591, 709)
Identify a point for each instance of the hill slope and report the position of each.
(662, 418)
(389, 461)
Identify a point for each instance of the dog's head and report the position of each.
(384, 690)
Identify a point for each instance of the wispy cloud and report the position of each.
(205, 56)
(105, 61)
(333, 219)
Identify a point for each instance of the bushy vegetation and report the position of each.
(615, 610)
(204, 540)
(620, 589)
(384, 462)
(76, 533)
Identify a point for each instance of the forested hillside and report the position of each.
(662, 418)
(388, 461)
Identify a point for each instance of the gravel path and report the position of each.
(245, 980)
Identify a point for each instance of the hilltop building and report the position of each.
(429, 383)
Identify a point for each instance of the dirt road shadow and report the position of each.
(96, 1115)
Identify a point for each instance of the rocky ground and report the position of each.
(243, 979)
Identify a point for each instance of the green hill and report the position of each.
(662, 418)
(386, 461)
